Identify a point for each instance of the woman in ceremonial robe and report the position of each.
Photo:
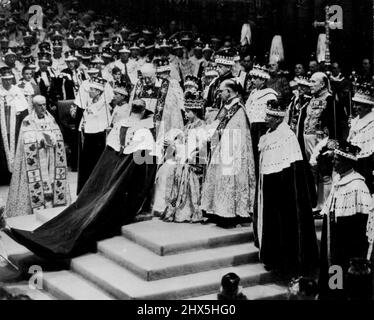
(184, 181)
(116, 192)
(287, 238)
(39, 179)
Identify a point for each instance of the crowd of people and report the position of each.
(193, 129)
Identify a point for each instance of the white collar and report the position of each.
(349, 177)
(359, 123)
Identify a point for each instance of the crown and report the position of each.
(121, 90)
(193, 100)
(303, 81)
(364, 94)
(162, 64)
(97, 83)
(211, 71)
(276, 109)
(225, 57)
(260, 72)
(347, 150)
(191, 80)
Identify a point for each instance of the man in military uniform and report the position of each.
(323, 119)
(65, 89)
(44, 78)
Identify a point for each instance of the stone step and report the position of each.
(271, 291)
(123, 284)
(150, 266)
(66, 285)
(165, 238)
(34, 294)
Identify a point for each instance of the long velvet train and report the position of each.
(116, 191)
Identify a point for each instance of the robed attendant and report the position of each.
(13, 109)
(96, 118)
(345, 221)
(228, 192)
(39, 179)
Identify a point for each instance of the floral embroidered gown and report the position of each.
(39, 179)
(185, 180)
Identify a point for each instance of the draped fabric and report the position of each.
(114, 194)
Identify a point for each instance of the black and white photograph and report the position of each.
(199, 151)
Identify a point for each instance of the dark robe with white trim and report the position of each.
(116, 192)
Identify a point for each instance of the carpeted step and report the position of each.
(66, 285)
(150, 266)
(124, 284)
(170, 238)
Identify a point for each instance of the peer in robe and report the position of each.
(346, 214)
(39, 179)
(361, 133)
(287, 237)
(13, 109)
